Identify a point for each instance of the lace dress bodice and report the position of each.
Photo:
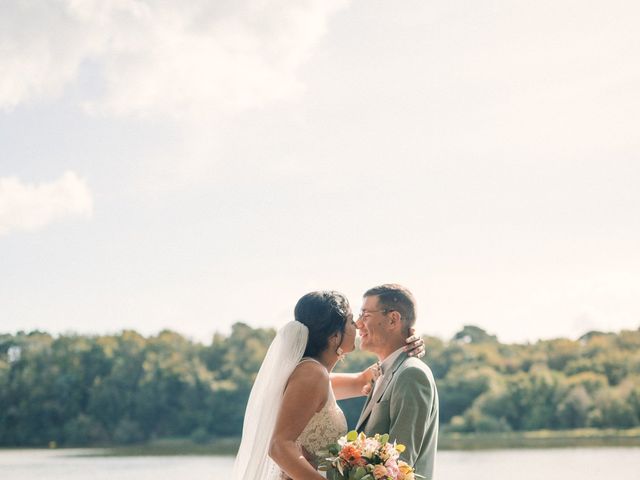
(325, 427)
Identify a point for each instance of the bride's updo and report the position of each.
(324, 313)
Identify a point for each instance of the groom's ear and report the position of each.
(395, 319)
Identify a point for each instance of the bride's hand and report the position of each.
(415, 345)
(369, 376)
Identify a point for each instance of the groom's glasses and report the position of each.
(365, 313)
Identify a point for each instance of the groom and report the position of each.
(404, 399)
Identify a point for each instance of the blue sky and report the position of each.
(186, 167)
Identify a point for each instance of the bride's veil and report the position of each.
(286, 350)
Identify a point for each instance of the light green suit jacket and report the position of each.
(405, 406)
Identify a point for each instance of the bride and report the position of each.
(292, 412)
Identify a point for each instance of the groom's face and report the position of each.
(372, 325)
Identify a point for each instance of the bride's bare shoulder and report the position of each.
(310, 371)
(309, 383)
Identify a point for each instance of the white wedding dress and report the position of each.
(325, 427)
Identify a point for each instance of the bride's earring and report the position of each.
(340, 353)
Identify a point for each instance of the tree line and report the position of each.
(126, 388)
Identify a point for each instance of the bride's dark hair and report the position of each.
(324, 313)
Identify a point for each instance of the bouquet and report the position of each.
(358, 457)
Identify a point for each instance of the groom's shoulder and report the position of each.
(416, 370)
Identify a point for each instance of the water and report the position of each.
(539, 464)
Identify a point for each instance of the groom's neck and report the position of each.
(389, 348)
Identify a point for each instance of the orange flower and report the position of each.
(406, 472)
(351, 454)
(360, 462)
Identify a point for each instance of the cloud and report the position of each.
(43, 45)
(33, 206)
(170, 58)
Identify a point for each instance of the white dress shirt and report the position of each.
(385, 365)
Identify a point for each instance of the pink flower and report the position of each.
(392, 468)
(379, 472)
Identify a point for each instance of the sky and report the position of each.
(189, 165)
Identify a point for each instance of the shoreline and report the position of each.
(578, 438)
(539, 439)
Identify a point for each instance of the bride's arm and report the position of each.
(349, 385)
(306, 393)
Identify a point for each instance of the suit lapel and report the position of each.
(365, 409)
(372, 400)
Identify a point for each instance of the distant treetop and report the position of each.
(473, 334)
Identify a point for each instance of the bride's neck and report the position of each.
(327, 359)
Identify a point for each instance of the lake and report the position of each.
(527, 464)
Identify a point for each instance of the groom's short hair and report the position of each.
(392, 296)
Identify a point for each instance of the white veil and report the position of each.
(286, 350)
